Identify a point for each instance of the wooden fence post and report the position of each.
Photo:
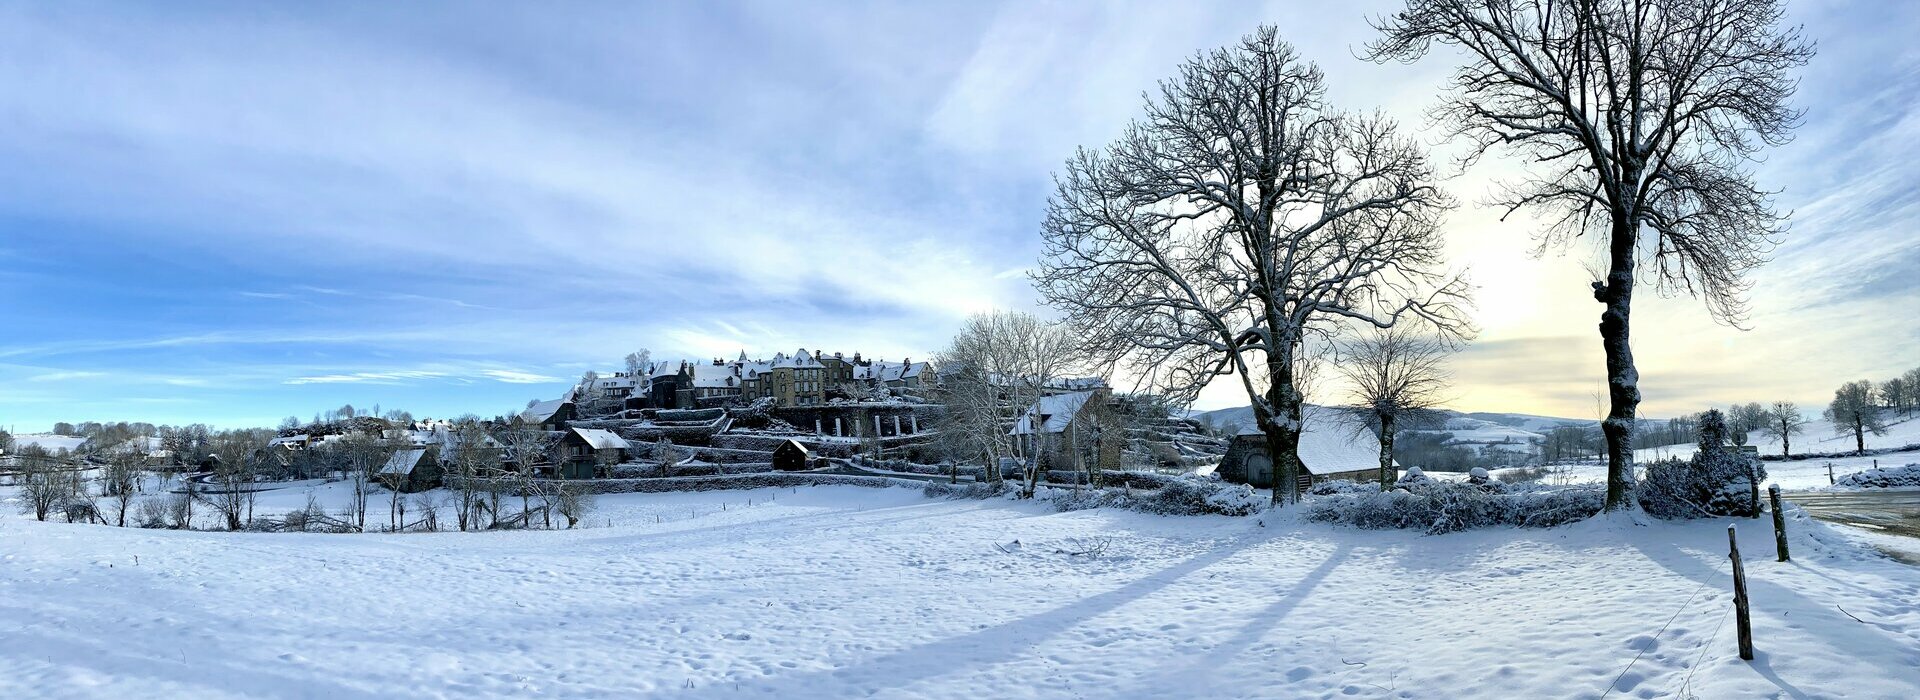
(1740, 597)
(1779, 521)
(1830, 481)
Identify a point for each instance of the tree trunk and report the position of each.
(1859, 434)
(1386, 452)
(1786, 444)
(1282, 428)
(1623, 380)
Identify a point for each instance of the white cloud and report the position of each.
(517, 377)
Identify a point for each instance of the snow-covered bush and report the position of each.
(1183, 496)
(1337, 486)
(1438, 507)
(976, 490)
(1716, 481)
(1414, 477)
(1883, 478)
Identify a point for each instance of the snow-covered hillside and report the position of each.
(835, 592)
(1480, 431)
(49, 442)
(1817, 437)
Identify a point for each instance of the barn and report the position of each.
(791, 456)
(1335, 445)
(410, 470)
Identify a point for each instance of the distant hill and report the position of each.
(1478, 431)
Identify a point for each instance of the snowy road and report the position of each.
(1892, 512)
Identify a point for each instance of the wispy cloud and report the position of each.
(366, 378)
(65, 376)
(517, 377)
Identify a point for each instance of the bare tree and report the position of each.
(527, 446)
(43, 481)
(120, 481)
(475, 458)
(1897, 393)
(1392, 374)
(1912, 379)
(1241, 215)
(1784, 421)
(364, 455)
(996, 362)
(234, 491)
(572, 501)
(1854, 411)
(1743, 419)
(1640, 118)
(666, 454)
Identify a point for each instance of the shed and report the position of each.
(1334, 445)
(790, 456)
(410, 470)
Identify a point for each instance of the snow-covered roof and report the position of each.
(1332, 440)
(1052, 413)
(601, 439)
(403, 461)
(542, 412)
(800, 360)
(709, 375)
(290, 440)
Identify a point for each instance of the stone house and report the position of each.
(585, 453)
(1335, 444)
(1072, 431)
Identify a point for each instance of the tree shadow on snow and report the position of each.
(1000, 643)
(1198, 677)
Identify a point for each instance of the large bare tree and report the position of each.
(1639, 119)
(1784, 421)
(1393, 374)
(1240, 215)
(1853, 411)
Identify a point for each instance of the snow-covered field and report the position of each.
(1818, 438)
(1792, 476)
(836, 592)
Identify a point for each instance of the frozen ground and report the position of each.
(850, 592)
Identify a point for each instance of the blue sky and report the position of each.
(233, 212)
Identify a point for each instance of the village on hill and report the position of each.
(1218, 357)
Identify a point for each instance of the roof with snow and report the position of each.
(709, 375)
(601, 439)
(1332, 440)
(1051, 414)
(542, 412)
(403, 461)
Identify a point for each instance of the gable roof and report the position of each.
(543, 411)
(403, 461)
(1332, 440)
(794, 444)
(601, 439)
(1051, 414)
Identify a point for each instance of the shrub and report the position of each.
(1522, 475)
(1450, 507)
(1414, 477)
(1183, 496)
(1335, 486)
(1883, 478)
(974, 491)
(1716, 481)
